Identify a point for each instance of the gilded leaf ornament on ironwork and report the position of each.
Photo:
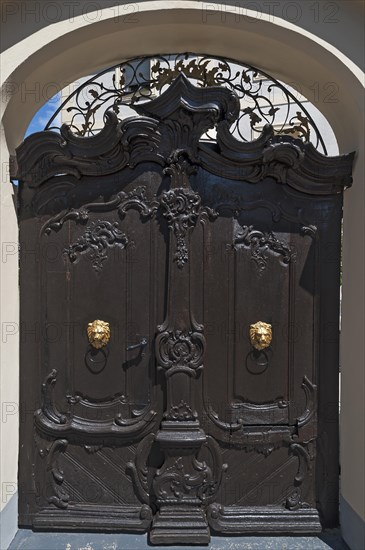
(145, 78)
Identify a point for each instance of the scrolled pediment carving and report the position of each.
(176, 121)
(285, 159)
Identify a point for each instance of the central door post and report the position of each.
(181, 483)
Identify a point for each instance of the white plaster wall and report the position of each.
(9, 325)
(352, 419)
(41, 56)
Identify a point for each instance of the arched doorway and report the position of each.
(329, 66)
(163, 445)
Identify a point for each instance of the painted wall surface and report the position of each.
(317, 45)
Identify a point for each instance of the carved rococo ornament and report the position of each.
(258, 242)
(182, 209)
(174, 483)
(180, 351)
(181, 412)
(305, 423)
(295, 498)
(123, 201)
(97, 239)
(181, 479)
(59, 497)
(50, 421)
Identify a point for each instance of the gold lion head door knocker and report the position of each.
(98, 333)
(260, 335)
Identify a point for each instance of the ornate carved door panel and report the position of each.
(179, 302)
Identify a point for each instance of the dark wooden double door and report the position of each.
(178, 425)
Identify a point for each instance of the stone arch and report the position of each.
(85, 47)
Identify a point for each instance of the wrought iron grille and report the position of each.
(263, 99)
